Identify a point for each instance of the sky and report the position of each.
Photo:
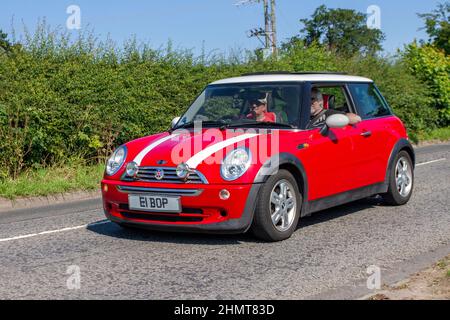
(216, 25)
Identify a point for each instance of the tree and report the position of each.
(5, 45)
(437, 25)
(342, 30)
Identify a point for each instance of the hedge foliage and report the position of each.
(62, 100)
(432, 66)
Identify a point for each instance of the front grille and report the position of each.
(148, 174)
(161, 191)
(162, 218)
(186, 215)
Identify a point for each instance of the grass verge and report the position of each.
(432, 283)
(43, 182)
(440, 134)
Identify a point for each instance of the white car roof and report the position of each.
(313, 77)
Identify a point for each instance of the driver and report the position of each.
(258, 109)
(319, 114)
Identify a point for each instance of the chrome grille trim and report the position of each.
(161, 191)
(147, 174)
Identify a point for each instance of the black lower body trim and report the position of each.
(345, 197)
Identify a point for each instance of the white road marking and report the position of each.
(53, 231)
(430, 162)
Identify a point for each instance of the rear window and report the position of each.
(368, 100)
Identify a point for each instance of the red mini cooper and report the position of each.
(260, 151)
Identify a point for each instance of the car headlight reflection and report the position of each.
(116, 161)
(235, 164)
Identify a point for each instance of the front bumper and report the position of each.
(202, 209)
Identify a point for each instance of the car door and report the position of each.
(329, 168)
(330, 155)
(373, 140)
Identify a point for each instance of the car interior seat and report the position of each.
(329, 101)
(278, 106)
(291, 101)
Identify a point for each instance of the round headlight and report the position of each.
(132, 169)
(116, 161)
(236, 164)
(182, 170)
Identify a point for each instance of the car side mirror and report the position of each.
(337, 121)
(175, 121)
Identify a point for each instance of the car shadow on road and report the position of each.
(340, 211)
(115, 231)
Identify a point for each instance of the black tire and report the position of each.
(262, 226)
(393, 196)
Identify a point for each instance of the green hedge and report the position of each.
(432, 66)
(61, 100)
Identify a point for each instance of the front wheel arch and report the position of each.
(401, 145)
(289, 162)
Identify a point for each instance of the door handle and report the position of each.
(366, 134)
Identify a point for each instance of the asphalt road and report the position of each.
(327, 257)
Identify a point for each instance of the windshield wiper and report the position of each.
(264, 124)
(203, 123)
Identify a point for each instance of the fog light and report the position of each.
(183, 170)
(105, 188)
(132, 169)
(224, 194)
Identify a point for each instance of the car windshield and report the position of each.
(254, 105)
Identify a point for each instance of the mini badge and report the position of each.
(159, 174)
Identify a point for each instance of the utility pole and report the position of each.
(267, 24)
(273, 20)
(270, 27)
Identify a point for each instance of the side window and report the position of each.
(368, 101)
(334, 98)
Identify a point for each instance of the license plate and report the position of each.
(154, 203)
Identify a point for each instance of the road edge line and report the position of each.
(7, 205)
